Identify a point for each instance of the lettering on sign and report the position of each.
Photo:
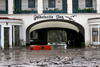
(36, 17)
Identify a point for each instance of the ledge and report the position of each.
(62, 11)
(16, 12)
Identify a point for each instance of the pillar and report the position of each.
(10, 37)
(13, 35)
(2, 37)
(98, 6)
(40, 7)
(10, 6)
(69, 6)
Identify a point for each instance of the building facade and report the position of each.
(18, 18)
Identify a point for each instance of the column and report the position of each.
(69, 6)
(2, 37)
(10, 6)
(40, 7)
(20, 34)
(98, 6)
(10, 37)
(13, 35)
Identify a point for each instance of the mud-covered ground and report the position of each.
(24, 57)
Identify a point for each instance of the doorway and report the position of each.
(6, 37)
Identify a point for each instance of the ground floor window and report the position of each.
(95, 34)
(16, 31)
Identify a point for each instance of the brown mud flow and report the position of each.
(24, 57)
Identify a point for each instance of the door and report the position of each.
(17, 36)
(6, 37)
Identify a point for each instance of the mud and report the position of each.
(24, 57)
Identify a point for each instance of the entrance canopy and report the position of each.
(10, 20)
(54, 24)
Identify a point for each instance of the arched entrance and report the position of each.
(42, 28)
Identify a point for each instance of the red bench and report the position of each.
(40, 47)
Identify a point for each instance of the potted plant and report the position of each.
(83, 45)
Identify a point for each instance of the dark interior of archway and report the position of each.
(75, 38)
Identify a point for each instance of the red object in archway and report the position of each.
(40, 47)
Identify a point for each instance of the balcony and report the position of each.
(54, 6)
(85, 10)
(54, 10)
(22, 6)
(81, 6)
(3, 6)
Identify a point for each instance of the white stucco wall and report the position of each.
(82, 19)
(2, 5)
(25, 5)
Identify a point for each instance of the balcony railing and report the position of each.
(3, 10)
(57, 9)
(24, 9)
(84, 9)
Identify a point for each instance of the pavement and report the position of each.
(24, 57)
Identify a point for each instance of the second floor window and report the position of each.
(31, 3)
(88, 3)
(51, 3)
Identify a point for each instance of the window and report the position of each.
(31, 3)
(88, 3)
(51, 3)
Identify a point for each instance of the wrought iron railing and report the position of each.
(24, 9)
(56, 9)
(84, 9)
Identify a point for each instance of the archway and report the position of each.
(63, 24)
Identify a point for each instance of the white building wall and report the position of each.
(10, 6)
(2, 5)
(82, 19)
(25, 5)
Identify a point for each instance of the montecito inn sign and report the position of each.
(37, 17)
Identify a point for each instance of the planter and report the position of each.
(55, 11)
(3, 12)
(84, 11)
(16, 12)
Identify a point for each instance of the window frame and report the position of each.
(49, 4)
(33, 4)
(89, 3)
